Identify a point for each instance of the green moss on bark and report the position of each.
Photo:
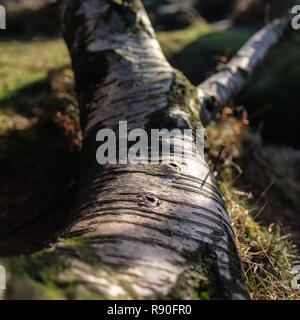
(182, 111)
(200, 279)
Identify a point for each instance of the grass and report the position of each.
(22, 63)
(267, 251)
(201, 37)
(173, 42)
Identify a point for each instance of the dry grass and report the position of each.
(267, 252)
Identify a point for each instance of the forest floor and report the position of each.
(257, 166)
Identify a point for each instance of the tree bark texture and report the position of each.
(141, 231)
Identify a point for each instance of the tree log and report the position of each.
(150, 231)
(215, 92)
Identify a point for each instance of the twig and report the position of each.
(261, 210)
(264, 192)
(215, 162)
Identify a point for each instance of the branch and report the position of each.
(215, 92)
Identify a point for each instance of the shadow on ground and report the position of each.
(38, 166)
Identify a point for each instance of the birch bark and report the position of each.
(152, 231)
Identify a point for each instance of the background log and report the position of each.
(216, 91)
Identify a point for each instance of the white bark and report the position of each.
(217, 90)
(182, 223)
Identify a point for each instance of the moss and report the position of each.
(181, 97)
(34, 277)
(199, 279)
(202, 280)
(78, 240)
(44, 267)
(184, 95)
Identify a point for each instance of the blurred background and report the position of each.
(254, 144)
